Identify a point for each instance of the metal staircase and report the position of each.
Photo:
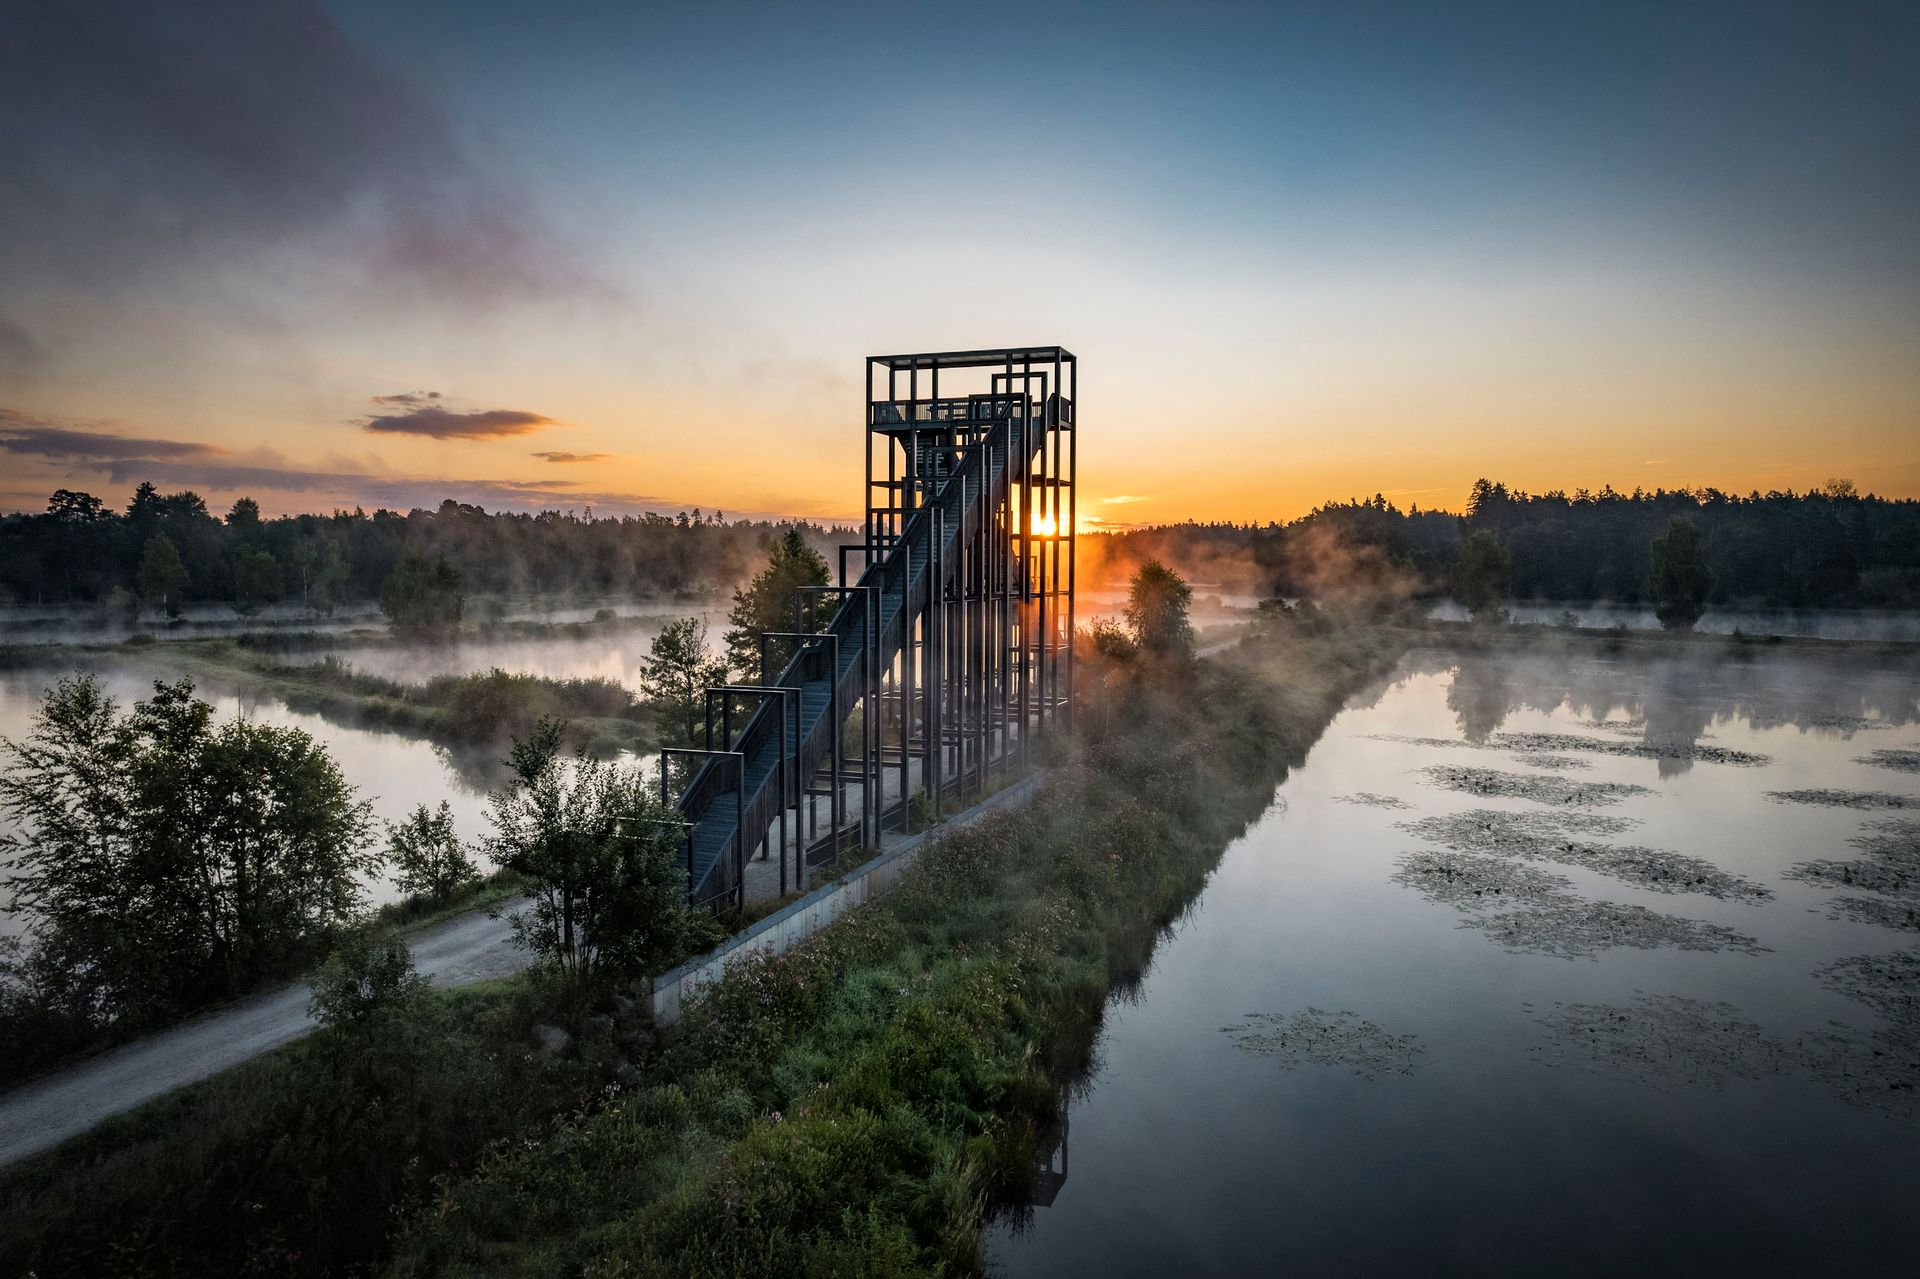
(946, 634)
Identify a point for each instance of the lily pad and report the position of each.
(1555, 837)
(1370, 800)
(1861, 799)
(1554, 791)
(1900, 761)
(1318, 1038)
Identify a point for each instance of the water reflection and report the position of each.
(1672, 704)
(1050, 1173)
(1480, 697)
(1689, 1047)
(1841, 624)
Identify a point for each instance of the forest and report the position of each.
(1830, 547)
(168, 549)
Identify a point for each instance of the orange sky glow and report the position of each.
(1297, 263)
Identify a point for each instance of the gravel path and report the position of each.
(468, 949)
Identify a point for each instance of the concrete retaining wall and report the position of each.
(797, 921)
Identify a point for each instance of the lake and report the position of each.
(1537, 965)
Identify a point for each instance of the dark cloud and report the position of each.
(407, 399)
(57, 441)
(572, 457)
(170, 140)
(445, 424)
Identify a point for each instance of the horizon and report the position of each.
(850, 523)
(337, 255)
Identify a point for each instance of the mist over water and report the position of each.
(54, 624)
(1813, 623)
(616, 654)
(1538, 964)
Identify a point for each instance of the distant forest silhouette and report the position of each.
(1831, 547)
(1827, 548)
(81, 551)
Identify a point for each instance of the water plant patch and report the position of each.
(1315, 1037)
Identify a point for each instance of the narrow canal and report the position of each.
(1581, 965)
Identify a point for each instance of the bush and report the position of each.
(1157, 603)
(365, 985)
(601, 855)
(427, 855)
(164, 861)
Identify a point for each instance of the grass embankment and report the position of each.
(852, 1107)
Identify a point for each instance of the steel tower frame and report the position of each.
(954, 641)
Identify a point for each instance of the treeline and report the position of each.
(1832, 547)
(168, 549)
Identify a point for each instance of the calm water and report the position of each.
(1421, 1082)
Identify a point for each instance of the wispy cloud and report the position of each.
(1123, 499)
(407, 399)
(558, 456)
(445, 424)
(59, 440)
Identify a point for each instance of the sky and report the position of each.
(632, 256)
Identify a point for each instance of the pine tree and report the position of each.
(675, 678)
(767, 602)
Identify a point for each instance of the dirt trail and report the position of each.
(470, 948)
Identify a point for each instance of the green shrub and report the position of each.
(427, 855)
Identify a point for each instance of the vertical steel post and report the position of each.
(1072, 411)
(931, 763)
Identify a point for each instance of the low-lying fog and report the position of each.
(1817, 623)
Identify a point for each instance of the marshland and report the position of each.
(968, 640)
